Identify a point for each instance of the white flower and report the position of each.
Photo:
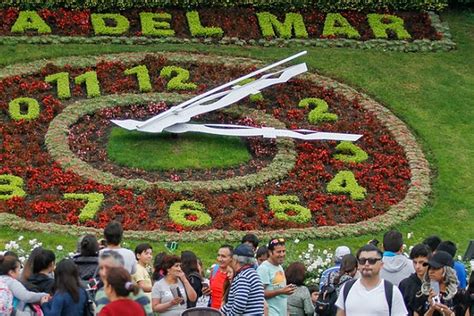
(459, 258)
(22, 259)
(20, 238)
(71, 254)
(32, 242)
(409, 235)
(310, 246)
(297, 240)
(12, 245)
(325, 252)
(59, 248)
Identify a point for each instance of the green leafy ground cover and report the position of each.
(179, 152)
(432, 92)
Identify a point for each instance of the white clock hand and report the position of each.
(267, 132)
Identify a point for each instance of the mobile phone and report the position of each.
(176, 292)
(434, 285)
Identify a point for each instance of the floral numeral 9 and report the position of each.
(178, 82)
(143, 77)
(189, 214)
(11, 186)
(93, 203)
(320, 111)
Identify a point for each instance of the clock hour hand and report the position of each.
(266, 132)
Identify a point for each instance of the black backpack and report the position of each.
(388, 287)
(326, 302)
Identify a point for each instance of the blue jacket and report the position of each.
(62, 304)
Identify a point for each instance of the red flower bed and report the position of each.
(385, 174)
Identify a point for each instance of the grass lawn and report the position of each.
(432, 92)
(179, 152)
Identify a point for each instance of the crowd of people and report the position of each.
(108, 279)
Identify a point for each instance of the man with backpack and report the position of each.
(370, 295)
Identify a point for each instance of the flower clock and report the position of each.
(68, 165)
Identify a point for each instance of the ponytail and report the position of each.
(7, 264)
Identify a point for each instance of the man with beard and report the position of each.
(273, 278)
(370, 295)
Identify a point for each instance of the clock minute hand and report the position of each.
(219, 100)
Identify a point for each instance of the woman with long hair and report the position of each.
(87, 260)
(43, 266)
(117, 286)
(299, 303)
(347, 271)
(157, 269)
(190, 267)
(170, 294)
(440, 294)
(69, 299)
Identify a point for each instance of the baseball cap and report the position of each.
(441, 259)
(340, 252)
(244, 250)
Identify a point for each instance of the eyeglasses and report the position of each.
(277, 241)
(371, 261)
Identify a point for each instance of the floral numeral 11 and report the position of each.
(62, 83)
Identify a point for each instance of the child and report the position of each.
(144, 254)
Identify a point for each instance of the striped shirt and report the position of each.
(245, 294)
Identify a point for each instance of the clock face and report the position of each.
(64, 162)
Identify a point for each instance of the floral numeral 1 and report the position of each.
(286, 208)
(62, 84)
(189, 214)
(178, 82)
(320, 112)
(345, 182)
(11, 186)
(32, 109)
(143, 77)
(93, 203)
(92, 83)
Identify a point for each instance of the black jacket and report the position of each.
(40, 283)
(87, 266)
(409, 287)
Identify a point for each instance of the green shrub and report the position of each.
(92, 83)
(93, 203)
(155, 24)
(269, 25)
(380, 28)
(62, 83)
(177, 82)
(14, 109)
(350, 152)
(143, 77)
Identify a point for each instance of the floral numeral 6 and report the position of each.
(93, 203)
(286, 208)
(11, 186)
(178, 82)
(189, 214)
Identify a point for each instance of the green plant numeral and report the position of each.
(179, 81)
(345, 182)
(11, 186)
(350, 152)
(32, 113)
(143, 77)
(29, 21)
(198, 30)
(253, 97)
(62, 84)
(93, 203)
(92, 83)
(281, 204)
(180, 210)
(320, 112)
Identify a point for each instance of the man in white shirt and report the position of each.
(113, 234)
(370, 295)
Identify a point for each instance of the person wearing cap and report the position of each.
(450, 301)
(340, 252)
(396, 266)
(450, 247)
(246, 290)
(273, 278)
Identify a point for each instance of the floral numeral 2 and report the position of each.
(11, 186)
(320, 112)
(93, 203)
(177, 82)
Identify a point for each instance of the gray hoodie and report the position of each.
(396, 268)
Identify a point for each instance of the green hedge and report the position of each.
(324, 5)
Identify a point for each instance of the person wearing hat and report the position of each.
(246, 295)
(440, 295)
(340, 252)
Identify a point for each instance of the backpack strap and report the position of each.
(388, 287)
(347, 287)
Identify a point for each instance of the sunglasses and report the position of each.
(277, 241)
(371, 261)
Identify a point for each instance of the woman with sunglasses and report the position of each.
(440, 295)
